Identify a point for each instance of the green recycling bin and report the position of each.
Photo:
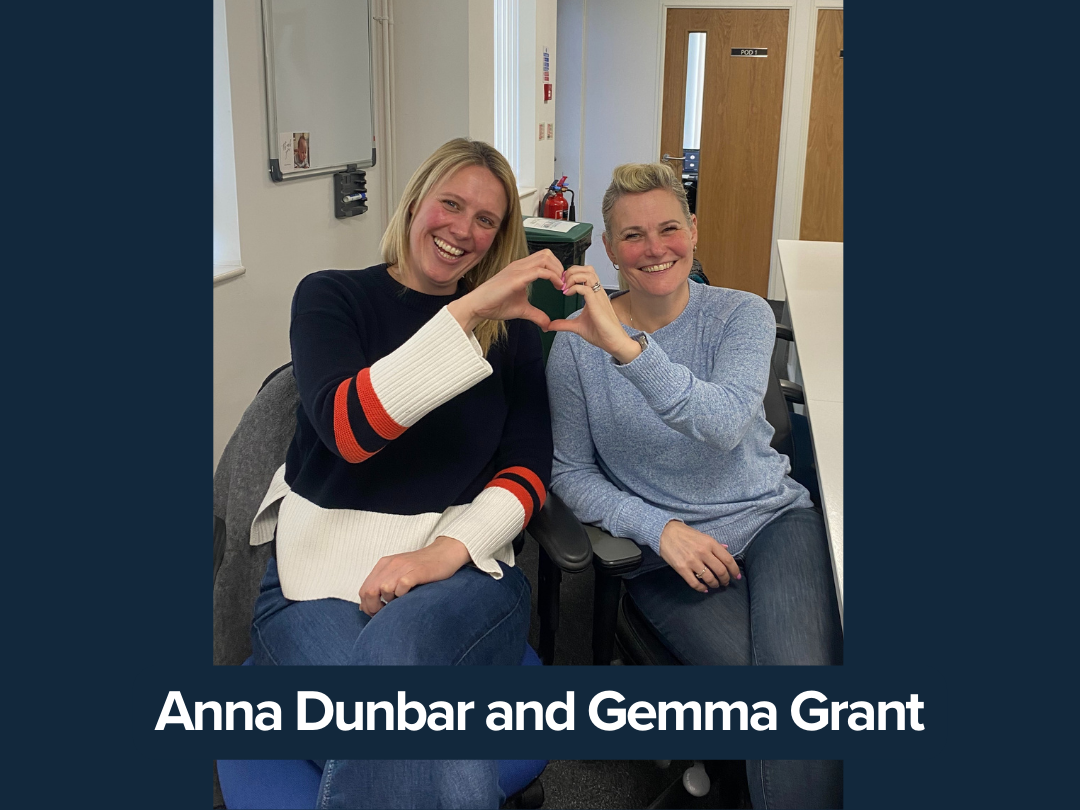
(569, 248)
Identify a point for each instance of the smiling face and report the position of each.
(651, 242)
(452, 228)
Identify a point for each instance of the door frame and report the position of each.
(794, 118)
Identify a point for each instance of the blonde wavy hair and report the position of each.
(637, 178)
(509, 244)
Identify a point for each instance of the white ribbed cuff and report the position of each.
(430, 368)
(488, 525)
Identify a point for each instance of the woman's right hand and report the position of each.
(691, 552)
(597, 322)
(505, 295)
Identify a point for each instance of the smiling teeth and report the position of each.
(445, 247)
(656, 268)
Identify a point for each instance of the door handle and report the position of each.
(671, 157)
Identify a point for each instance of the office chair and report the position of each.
(708, 784)
(254, 452)
(803, 466)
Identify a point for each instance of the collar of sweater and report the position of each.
(692, 305)
(406, 297)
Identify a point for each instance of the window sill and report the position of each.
(524, 191)
(226, 273)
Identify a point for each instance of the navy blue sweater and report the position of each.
(400, 421)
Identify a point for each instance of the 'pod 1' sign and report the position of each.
(761, 52)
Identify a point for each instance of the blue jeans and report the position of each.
(469, 619)
(807, 784)
(782, 612)
(397, 784)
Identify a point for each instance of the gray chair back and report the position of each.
(254, 452)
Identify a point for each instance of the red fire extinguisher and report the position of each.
(554, 205)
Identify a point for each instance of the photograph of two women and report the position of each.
(443, 439)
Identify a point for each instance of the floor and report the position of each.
(603, 784)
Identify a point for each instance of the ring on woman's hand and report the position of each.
(702, 574)
(596, 287)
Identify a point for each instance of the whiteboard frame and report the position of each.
(271, 106)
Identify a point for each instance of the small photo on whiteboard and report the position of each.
(301, 150)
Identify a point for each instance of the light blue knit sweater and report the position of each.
(679, 432)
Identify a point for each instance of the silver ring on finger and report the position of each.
(597, 287)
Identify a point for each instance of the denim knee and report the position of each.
(474, 620)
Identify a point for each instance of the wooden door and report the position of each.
(740, 135)
(823, 184)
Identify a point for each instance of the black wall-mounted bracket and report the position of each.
(350, 193)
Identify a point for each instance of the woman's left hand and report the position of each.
(597, 323)
(506, 294)
(398, 574)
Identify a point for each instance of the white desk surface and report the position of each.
(814, 280)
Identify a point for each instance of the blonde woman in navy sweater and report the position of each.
(422, 448)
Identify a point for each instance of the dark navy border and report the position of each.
(109, 323)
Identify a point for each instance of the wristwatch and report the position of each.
(642, 340)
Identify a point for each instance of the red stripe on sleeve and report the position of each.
(518, 491)
(376, 414)
(343, 435)
(531, 477)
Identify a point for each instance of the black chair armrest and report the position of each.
(793, 392)
(561, 535)
(783, 332)
(613, 556)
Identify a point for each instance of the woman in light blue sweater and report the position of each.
(660, 436)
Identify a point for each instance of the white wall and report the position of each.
(226, 229)
(481, 70)
(431, 80)
(620, 111)
(615, 48)
(287, 230)
(444, 85)
(538, 31)
(568, 91)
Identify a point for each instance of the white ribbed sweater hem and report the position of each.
(329, 552)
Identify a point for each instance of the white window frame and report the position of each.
(508, 82)
(227, 262)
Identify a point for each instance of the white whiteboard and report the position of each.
(318, 86)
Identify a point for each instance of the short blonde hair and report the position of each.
(638, 178)
(509, 244)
